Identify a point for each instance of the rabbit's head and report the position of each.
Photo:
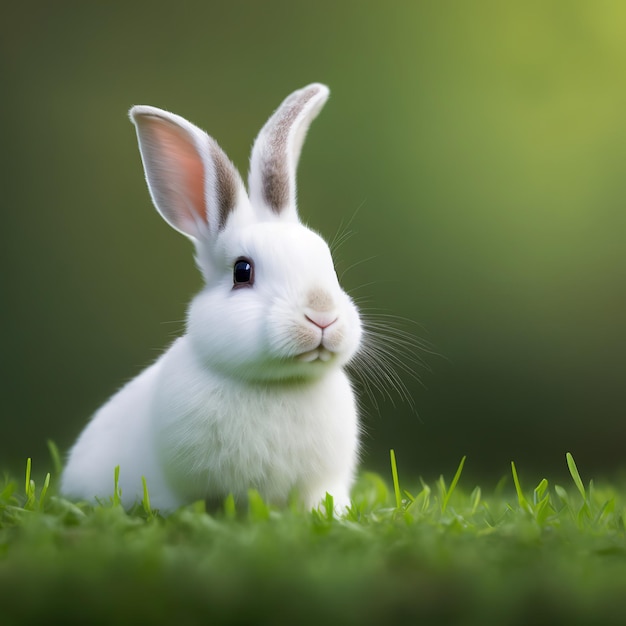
(272, 308)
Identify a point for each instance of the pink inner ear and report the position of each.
(182, 171)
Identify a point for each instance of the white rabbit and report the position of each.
(254, 395)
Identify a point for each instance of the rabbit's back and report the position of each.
(119, 434)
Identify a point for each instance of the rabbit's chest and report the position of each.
(226, 440)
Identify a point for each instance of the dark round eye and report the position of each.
(243, 273)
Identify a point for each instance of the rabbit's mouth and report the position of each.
(317, 354)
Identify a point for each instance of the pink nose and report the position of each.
(322, 319)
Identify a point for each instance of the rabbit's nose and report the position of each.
(322, 319)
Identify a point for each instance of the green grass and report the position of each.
(436, 554)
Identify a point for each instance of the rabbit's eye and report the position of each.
(243, 273)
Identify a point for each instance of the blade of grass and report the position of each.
(518, 488)
(396, 482)
(117, 492)
(27, 485)
(329, 506)
(56, 457)
(146, 499)
(258, 510)
(453, 484)
(475, 497)
(44, 490)
(573, 470)
(230, 508)
(607, 509)
(539, 491)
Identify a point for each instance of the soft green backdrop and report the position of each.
(484, 142)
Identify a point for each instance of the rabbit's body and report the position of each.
(254, 395)
(224, 441)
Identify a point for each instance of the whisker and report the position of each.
(356, 264)
(339, 239)
(343, 234)
(389, 355)
(364, 285)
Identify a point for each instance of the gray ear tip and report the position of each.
(323, 91)
(320, 86)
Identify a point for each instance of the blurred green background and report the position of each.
(484, 142)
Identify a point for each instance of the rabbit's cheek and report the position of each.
(334, 338)
(307, 337)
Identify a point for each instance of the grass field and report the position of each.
(433, 554)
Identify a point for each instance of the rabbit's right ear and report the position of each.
(193, 184)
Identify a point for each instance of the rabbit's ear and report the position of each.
(193, 184)
(275, 154)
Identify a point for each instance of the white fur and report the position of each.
(254, 394)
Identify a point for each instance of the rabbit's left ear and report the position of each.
(275, 154)
(193, 184)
